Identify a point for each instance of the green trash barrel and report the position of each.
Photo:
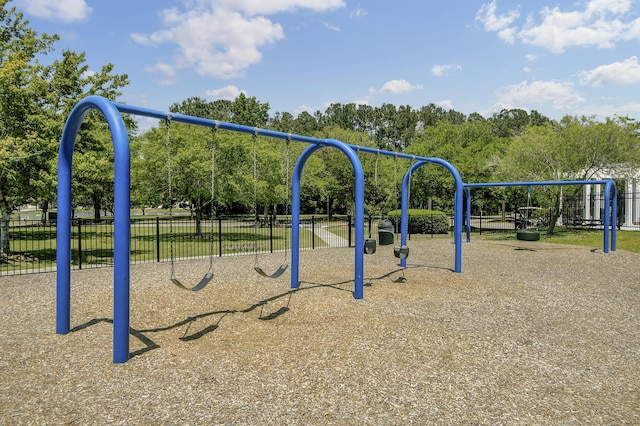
(385, 232)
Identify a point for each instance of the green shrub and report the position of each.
(423, 221)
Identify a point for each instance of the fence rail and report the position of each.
(33, 243)
(153, 239)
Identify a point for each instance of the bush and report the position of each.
(423, 221)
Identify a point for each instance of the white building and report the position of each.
(628, 199)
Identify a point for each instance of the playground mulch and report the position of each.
(528, 333)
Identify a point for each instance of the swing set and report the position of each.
(122, 197)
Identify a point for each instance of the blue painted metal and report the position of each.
(112, 113)
(121, 222)
(610, 199)
(358, 291)
(457, 207)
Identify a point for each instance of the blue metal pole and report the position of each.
(121, 222)
(611, 216)
(457, 205)
(614, 213)
(63, 224)
(607, 220)
(295, 214)
(358, 292)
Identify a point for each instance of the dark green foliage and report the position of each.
(422, 221)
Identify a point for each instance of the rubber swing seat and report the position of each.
(527, 235)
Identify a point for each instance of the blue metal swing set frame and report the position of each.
(122, 167)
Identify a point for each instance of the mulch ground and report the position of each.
(528, 333)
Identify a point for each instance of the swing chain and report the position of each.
(287, 156)
(169, 192)
(213, 188)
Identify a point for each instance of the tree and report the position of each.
(472, 147)
(249, 111)
(35, 99)
(574, 149)
(70, 80)
(21, 84)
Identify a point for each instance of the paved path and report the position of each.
(331, 239)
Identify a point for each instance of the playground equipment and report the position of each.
(610, 200)
(122, 162)
(369, 242)
(528, 231)
(208, 276)
(256, 264)
(401, 251)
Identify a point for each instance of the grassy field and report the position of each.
(34, 247)
(625, 240)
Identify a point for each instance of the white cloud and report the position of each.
(445, 103)
(491, 21)
(59, 10)
(498, 23)
(619, 73)
(602, 23)
(398, 86)
(221, 38)
(228, 93)
(440, 70)
(262, 7)
(218, 43)
(560, 94)
(167, 70)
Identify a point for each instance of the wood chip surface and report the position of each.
(529, 333)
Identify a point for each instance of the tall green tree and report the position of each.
(471, 147)
(574, 149)
(35, 99)
(21, 85)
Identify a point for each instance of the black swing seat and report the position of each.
(202, 284)
(369, 246)
(401, 252)
(276, 274)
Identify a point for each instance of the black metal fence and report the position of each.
(574, 216)
(156, 239)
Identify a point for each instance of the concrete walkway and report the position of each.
(331, 239)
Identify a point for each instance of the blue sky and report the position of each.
(560, 57)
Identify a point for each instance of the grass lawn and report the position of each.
(625, 240)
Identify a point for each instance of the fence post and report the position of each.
(79, 244)
(158, 239)
(220, 236)
(313, 232)
(271, 233)
(349, 224)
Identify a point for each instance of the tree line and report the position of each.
(36, 98)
